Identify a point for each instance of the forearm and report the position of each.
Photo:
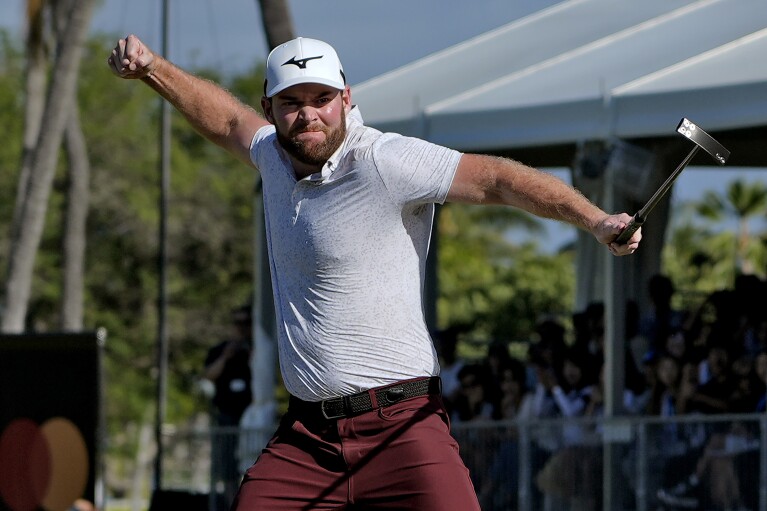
(214, 369)
(547, 196)
(210, 110)
(492, 180)
(569, 408)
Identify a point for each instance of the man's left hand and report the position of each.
(610, 227)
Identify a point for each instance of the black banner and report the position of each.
(50, 419)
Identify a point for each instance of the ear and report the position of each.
(346, 97)
(266, 106)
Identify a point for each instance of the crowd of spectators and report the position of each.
(709, 360)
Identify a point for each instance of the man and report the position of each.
(227, 366)
(349, 211)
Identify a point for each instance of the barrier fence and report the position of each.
(632, 464)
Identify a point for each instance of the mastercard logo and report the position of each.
(42, 466)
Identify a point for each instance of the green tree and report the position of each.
(496, 287)
(210, 234)
(33, 195)
(699, 260)
(741, 202)
(210, 238)
(277, 21)
(11, 118)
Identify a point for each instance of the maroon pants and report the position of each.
(396, 458)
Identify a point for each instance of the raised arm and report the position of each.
(484, 179)
(212, 111)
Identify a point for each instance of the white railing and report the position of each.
(551, 465)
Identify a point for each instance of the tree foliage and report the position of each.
(492, 287)
(497, 288)
(741, 202)
(51, 112)
(210, 235)
(11, 116)
(701, 256)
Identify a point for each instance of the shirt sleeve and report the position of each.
(414, 170)
(264, 133)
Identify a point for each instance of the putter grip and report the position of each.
(632, 227)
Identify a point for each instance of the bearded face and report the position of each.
(313, 153)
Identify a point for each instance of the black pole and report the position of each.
(162, 331)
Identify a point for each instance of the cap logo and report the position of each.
(301, 63)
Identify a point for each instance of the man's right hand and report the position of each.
(210, 109)
(132, 59)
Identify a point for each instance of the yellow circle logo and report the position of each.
(42, 466)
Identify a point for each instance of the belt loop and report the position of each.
(435, 384)
(373, 398)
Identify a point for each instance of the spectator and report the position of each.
(516, 401)
(665, 385)
(760, 368)
(500, 480)
(564, 475)
(547, 351)
(720, 393)
(717, 312)
(497, 360)
(714, 482)
(471, 403)
(446, 342)
(747, 387)
(227, 366)
(675, 445)
(636, 349)
(658, 322)
(590, 338)
(714, 391)
(676, 345)
(751, 299)
(755, 339)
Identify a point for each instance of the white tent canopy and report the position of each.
(584, 70)
(593, 71)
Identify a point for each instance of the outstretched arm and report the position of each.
(484, 179)
(212, 111)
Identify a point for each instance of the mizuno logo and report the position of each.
(301, 63)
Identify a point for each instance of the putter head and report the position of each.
(703, 140)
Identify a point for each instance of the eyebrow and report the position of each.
(290, 97)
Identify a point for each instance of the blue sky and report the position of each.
(371, 38)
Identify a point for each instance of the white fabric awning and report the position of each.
(584, 70)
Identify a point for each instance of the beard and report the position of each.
(313, 154)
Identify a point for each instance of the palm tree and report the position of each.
(77, 202)
(741, 202)
(35, 192)
(277, 22)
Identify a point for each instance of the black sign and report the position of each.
(50, 406)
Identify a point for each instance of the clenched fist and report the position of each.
(132, 59)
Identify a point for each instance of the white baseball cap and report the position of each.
(302, 60)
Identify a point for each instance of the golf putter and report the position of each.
(703, 141)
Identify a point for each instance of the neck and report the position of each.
(303, 170)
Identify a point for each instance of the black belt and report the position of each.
(361, 402)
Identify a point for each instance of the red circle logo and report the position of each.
(42, 466)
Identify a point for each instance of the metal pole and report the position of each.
(162, 331)
(614, 333)
(763, 463)
(642, 447)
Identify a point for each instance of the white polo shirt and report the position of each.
(347, 250)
